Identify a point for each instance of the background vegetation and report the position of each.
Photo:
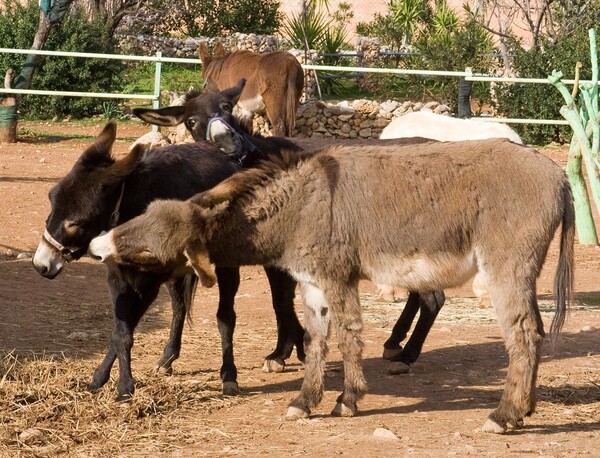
(431, 36)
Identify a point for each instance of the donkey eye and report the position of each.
(190, 123)
(71, 226)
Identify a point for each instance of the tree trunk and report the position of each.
(9, 105)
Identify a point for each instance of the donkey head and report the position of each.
(174, 242)
(83, 202)
(208, 116)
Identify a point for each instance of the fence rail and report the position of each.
(158, 59)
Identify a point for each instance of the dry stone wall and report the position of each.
(347, 119)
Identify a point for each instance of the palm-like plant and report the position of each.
(409, 16)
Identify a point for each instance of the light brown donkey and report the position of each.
(274, 83)
(424, 217)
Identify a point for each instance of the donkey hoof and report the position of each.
(296, 413)
(391, 353)
(273, 365)
(125, 398)
(517, 424)
(231, 389)
(163, 370)
(491, 426)
(342, 410)
(398, 367)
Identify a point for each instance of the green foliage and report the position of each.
(306, 30)
(325, 31)
(541, 101)
(441, 41)
(211, 18)
(176, 77)
(18, 26)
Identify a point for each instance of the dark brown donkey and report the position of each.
(101, 191)
(274, 83)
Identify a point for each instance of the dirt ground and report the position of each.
(54, 332)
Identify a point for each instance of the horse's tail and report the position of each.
(563, 281)
(295, 84)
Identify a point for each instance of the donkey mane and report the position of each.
(191, 93)
(243, 184)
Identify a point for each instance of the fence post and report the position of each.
(463, 109)
(584, 122)
(157, 72)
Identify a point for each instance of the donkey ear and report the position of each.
(168, 116)
(204, 53)
(219, 50)
(124, 166)
(233, 93)
(198, 258)
(98, 154)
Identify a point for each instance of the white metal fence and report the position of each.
(158, 59)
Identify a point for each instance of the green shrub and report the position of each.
(542, 101)
(75, 33)
(213, 18)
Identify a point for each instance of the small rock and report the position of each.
(24, 255)
(269, 402)
(569, 412)
(386, 434)
(588, 328)
(78, 335)
(31, 434)
(42, 160)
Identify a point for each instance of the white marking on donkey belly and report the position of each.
(252, 104)
(421, 273)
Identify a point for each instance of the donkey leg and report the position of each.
(289, 329)
(430, 305)
(392, 347)
(316, 319)
(348, 317)
(229, 281)
(518, 315)
(182, 293)
(129, 307)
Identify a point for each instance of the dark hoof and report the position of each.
(164, 370)
(124, 398)
(93, 387)
(391, 353)
(231, 389)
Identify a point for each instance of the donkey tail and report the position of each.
(295, 84)
(563, 281)
(190, 282)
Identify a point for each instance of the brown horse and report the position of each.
(274, 83)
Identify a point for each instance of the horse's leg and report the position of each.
(229, 282)
(514, 299)
(275, 108)
(392, 346)
(430, 305)
(130, 303)
(316, 320)
(289, 329)
(181, 290)
(348, 316)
